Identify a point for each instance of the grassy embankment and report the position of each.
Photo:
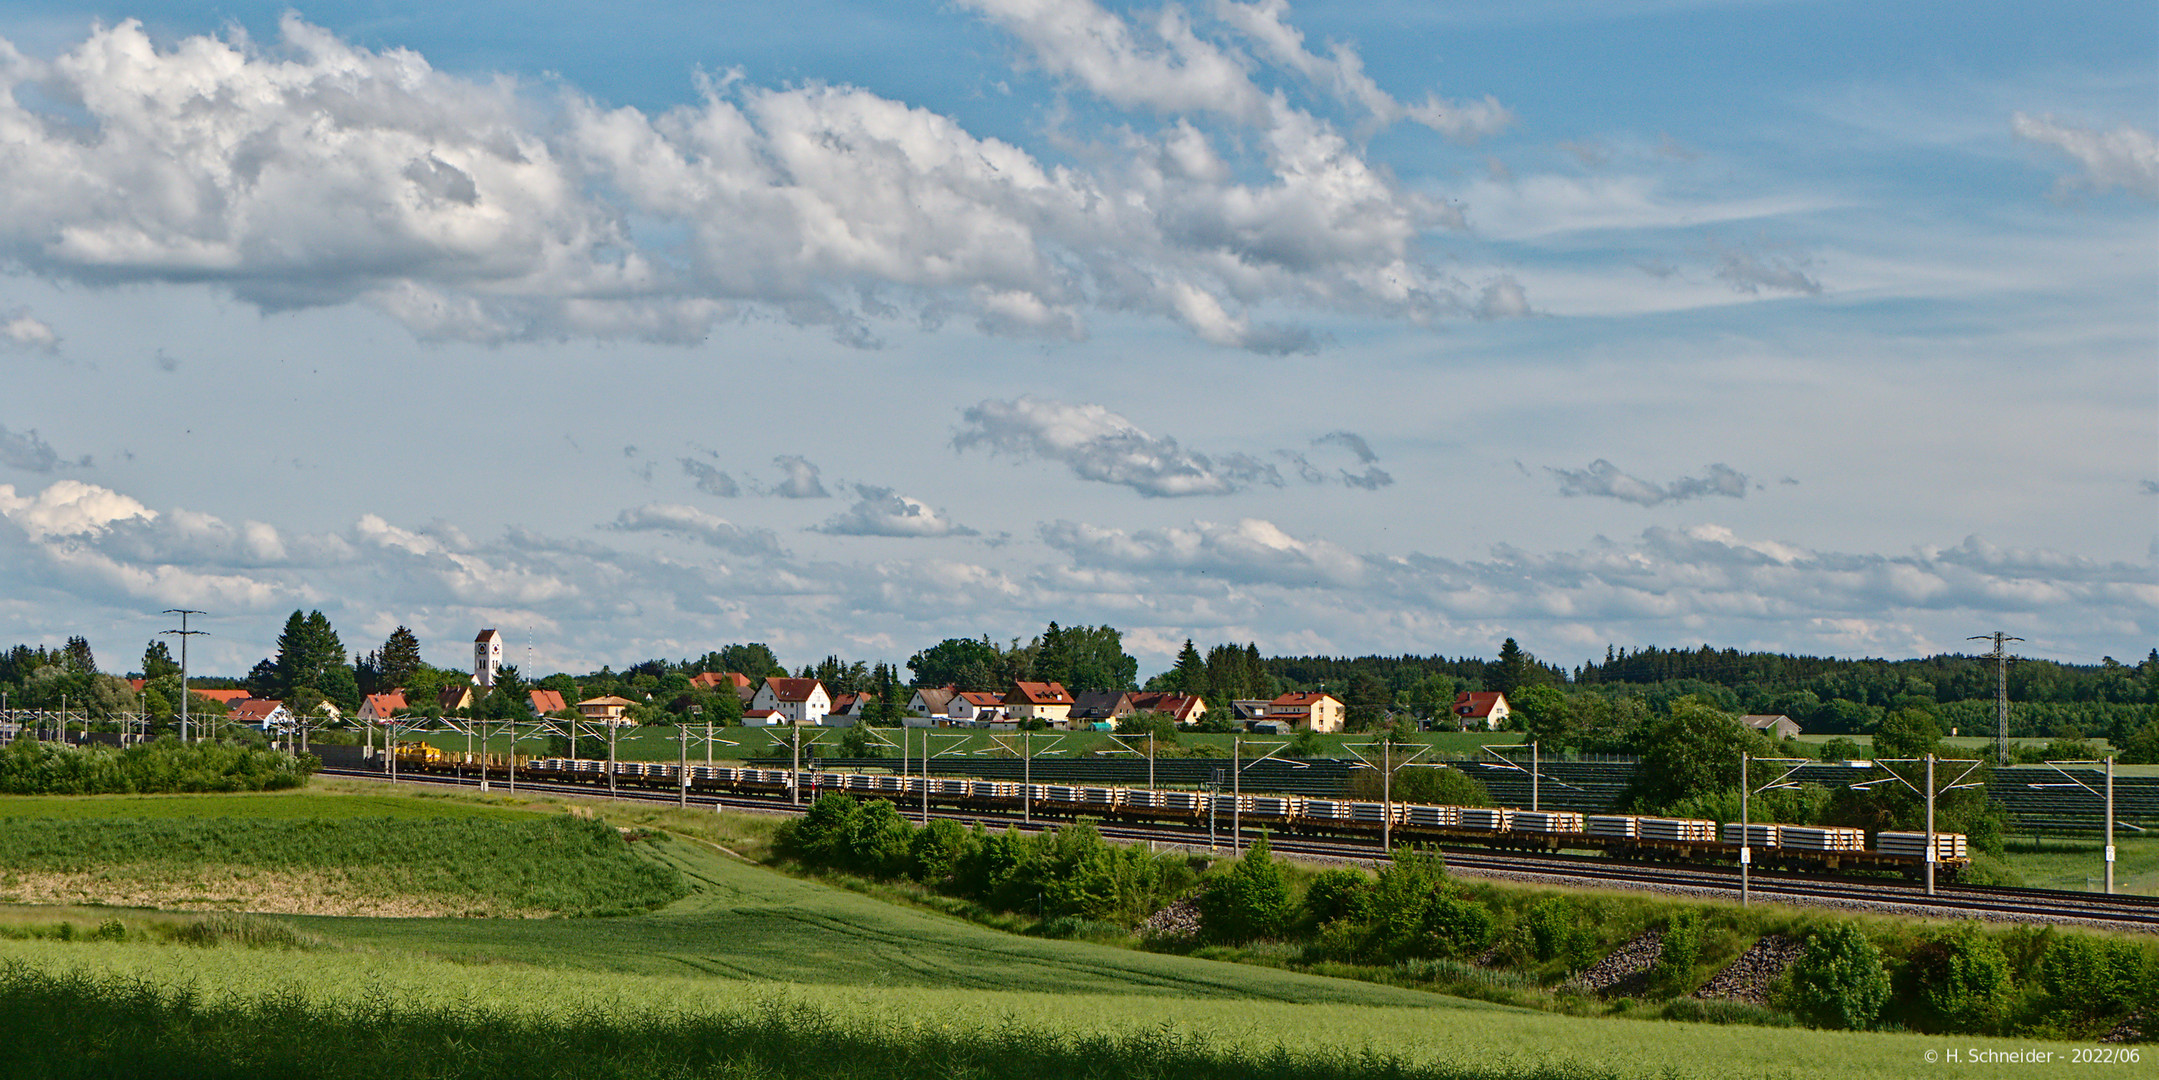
(315, 854)
(757, 974)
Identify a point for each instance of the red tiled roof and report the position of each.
(982, 699)
(137, 684)
(226, 696)
(384, 704)
(545, 701)
(1477, 703)
(792, 689)
(712, 680)
(1039, 693)
(1303, 699)
(254, 708)
(762, 714)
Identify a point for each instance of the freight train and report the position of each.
(1627, 836)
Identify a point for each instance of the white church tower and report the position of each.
(486, 657)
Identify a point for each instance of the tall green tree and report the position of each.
(755, 660)
(1190, 674)
(1510, 672)
(399, 658)
(1695, 750)
(310, 655)
(157, 661)
(78, 656)
(960, 662)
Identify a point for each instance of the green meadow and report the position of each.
(744, 972)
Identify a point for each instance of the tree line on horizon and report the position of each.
(2108, 699)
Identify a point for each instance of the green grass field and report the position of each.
(2077, 864)
(470, 864)
(292, 805)
(754, 973)
(751, 943)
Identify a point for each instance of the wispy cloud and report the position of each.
(19, 330)
(2126, 157)
(1602, 479)
(710, 480)
(696, 524)
(28, 451)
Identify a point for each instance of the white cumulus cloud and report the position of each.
(692, 522)
(881, 511)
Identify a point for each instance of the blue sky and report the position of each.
(1337, 327)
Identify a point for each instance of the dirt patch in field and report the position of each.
(234, 889)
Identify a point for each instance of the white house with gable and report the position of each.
(797, 701)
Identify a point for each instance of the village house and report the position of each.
(453, 697)
(799, 701)
(1487, 709)
(762, 718)
(1308, 710)
(375, 708)
(714, 680)
(1182, 709)
(931, 703)
(1776, 726)
(1098, 709)
(609, 710)
(544, 702)
(1047, 702)
(977, 708)
(262, 714)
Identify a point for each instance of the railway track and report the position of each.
(1987, 902)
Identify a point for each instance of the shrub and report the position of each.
(1250, 902)
(2090, 979)
(1674, 973)
(1839, 981)
(1454, 926)
(1336, 893)
(1961, 978)
(1553, 929)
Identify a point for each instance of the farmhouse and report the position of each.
(1315, 710)
(1048, 702)
(1479, 708)
(800, 701)
(1777, 726)
(610, 710)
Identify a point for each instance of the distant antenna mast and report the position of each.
(2001, 659)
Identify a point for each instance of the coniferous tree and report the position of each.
(399, 658)
(157, 661)
(1190, 674)
(79, 660)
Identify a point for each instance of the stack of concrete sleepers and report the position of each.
(1757, 835)
(1488, 819)
(1273, 806)
(1101, 796)
(1182, 800)
(1325, 810)
(1145, 798)
(1436, 816)
(1812, 838)
(991, 789)
(1534, 821)
(949, 787)
(1062, 793)
(1621, 825)
(1232, 804)
(1946, 845)
(1681, 829)
(1371, 812)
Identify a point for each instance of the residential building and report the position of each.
(264, 714)
(544, 702)
(976, 707)
(852, 705)
(713, 680)
(453, 697)
(933, 702)
(1183, 709)
(1777, 726)
(1098, 709)
(486, 657)
(1487, 709)
(801, 701)
(1315, 710)
(605, 710)
(762, 718)
(1048, 702)
(222, 697)
(375, 708)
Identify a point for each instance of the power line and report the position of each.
(183, 634)
(2001, 659)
